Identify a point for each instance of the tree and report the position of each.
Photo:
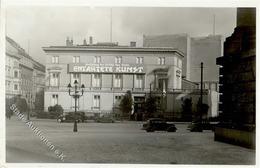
(150, 106)
(8, 103)
(55, 111)
(22, 104)
(39, 101)
(126, 104)
(187, 109)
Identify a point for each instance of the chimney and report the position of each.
(132, 44)
(67, 41)
(71, 42)
(84, 42)
(90, 40)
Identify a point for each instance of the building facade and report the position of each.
(12, 70)
(237, 79)
(108, 71)
(24, 76)
(195, 49)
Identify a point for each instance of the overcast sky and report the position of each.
(46, 26)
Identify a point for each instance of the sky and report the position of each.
(34, 27)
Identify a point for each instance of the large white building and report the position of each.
(108, 70)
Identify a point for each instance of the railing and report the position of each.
(113, 89)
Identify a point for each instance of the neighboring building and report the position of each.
(206, 50)
(195, 50)
(180, 42)
(24, 76)
(237, 81)
(12, 70)
(237, 71)
(38, 86)
(108, 70)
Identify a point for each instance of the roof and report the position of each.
(22, 52)
(111, 48)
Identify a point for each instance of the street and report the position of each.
(122, 142)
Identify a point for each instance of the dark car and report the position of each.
(70, 117)
(158, 124)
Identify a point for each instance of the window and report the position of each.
(16, 74)
(75, 76)
(96, 101)
(55, 59)
(15, 87)
(7, 70)
(7, 85)
(97, 59)
(75, 59)
(118, 80)
(54, 79)
(139, 60)
(96, 80)
(118, 60)
(16, 64)
(179, 63)
(139, 81)
(54, 99)
(118, 98)
(161, 60)
(162, 84)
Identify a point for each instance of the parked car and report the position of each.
(158, 124)
(70, 117)
(104, 120)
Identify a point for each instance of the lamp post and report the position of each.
(76, 95)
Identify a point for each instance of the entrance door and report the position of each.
(139, 108)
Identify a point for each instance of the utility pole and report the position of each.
(201, 87)
(150, 89)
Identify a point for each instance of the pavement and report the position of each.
(121, 142)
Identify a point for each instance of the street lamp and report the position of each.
(76, 96)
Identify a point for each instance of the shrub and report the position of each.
(55, 111)
(126, 104)
(150, 107)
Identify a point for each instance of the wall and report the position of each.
(177, 41)
(206, 50)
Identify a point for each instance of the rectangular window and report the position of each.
(179, 64)
(73, 77)
(16, 74)
(139, 81)
(139, 60)
(96, 80)
(118, 60)
(96, 101)
(54, 79)
(97, 59)
(54, 99)
(161, 60)
(15, 87)
(118, 81)
(55, 59)
(75, 59)
(118, 98)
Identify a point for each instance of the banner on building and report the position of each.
(105, 68)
